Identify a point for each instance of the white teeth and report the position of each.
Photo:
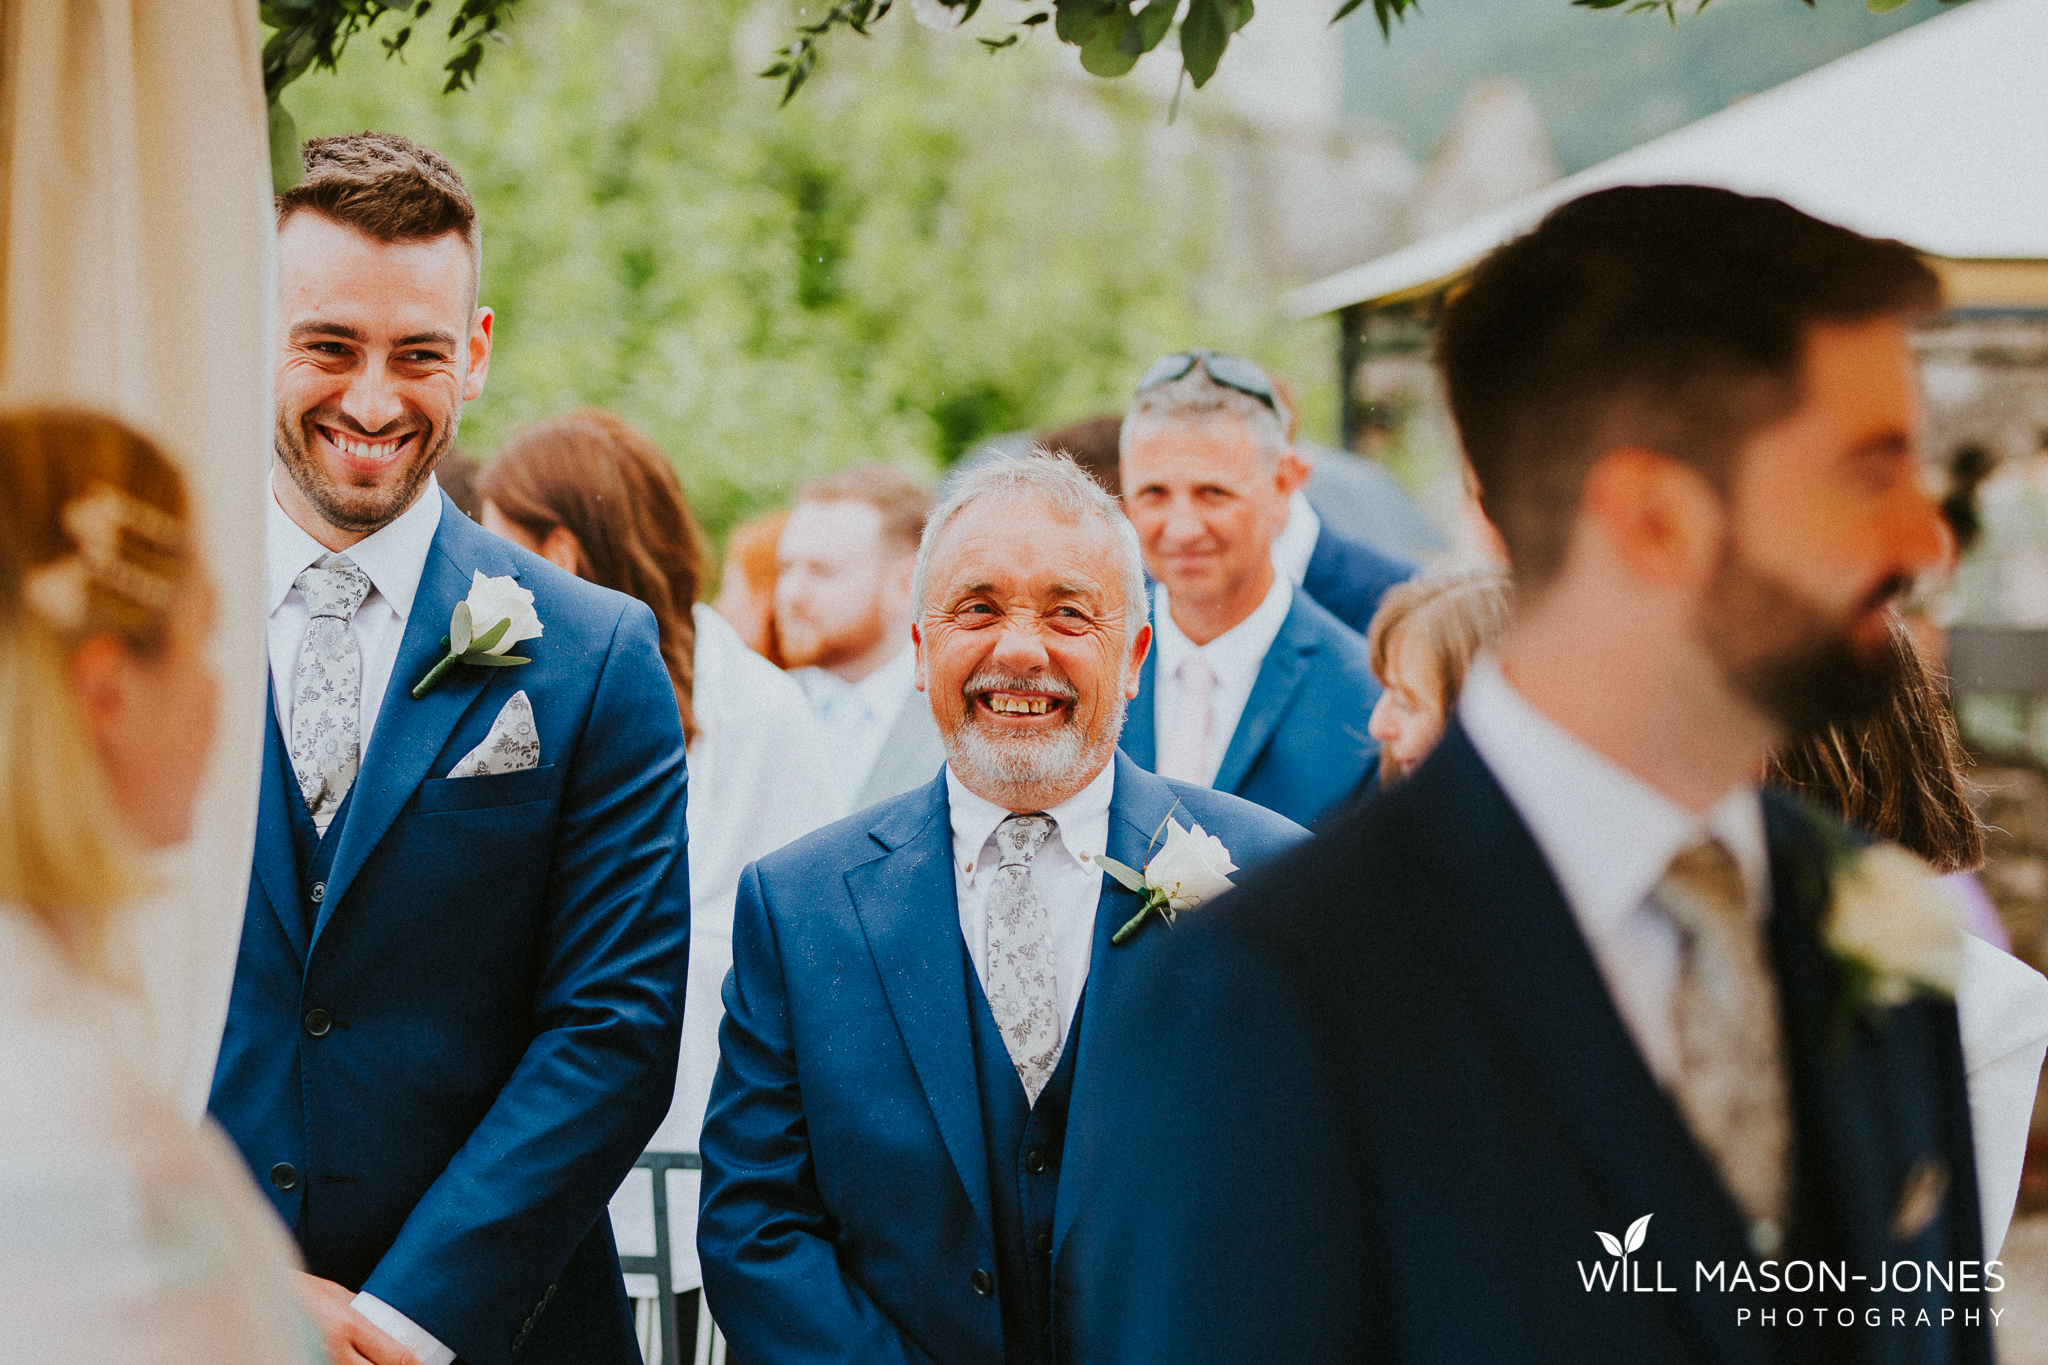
(365, 450)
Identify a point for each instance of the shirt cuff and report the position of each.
(408, 1333)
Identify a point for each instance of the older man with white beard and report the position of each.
(913, 988)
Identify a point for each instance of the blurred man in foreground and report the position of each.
(1573, 1011)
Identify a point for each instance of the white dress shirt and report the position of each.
(1608, 837)
(1295, 546)
(393, 557)
(1234, 657)
(1063, 873)
(856, 717)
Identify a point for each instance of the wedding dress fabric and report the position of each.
(124, 1234)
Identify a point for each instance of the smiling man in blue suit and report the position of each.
(915, 990)
(458, 1000)
(1252, 687)
(1574, 1002)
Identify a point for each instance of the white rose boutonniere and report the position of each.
(496, 615)
(1191, 869)
(1892, 928)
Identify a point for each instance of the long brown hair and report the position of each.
(1898, 774)
(614, 489)
(1453, 614)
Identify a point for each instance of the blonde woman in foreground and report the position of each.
(124, 1235)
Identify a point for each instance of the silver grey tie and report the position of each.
(1022, 991)
(1732, 1087)
(327, 688)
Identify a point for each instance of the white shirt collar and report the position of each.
(394, 556)
(1296, 543)
(1235, 655)
(1083, 819)
(1607, 835)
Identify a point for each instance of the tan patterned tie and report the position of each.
(1731, 1087)
(1022, 991)
(327, 688)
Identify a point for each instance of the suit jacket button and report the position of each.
(1034, 1161)
(319, 892)
(284, 1175)
(319, 1023)
(1044, 1244)
(983, 1282)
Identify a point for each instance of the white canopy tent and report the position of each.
(1937, 136)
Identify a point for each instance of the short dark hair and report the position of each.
(384, 186)
(1668, 316)
(901, 498)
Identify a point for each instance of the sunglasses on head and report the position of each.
(1231, 371)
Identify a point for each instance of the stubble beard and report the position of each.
(1787, 656)
(361, 510)
(806, 644)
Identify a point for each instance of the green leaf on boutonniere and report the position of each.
(1130, 880)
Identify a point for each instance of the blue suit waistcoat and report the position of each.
(1420, 1104)
(442, 1056)
(847, 1211)
(1300, 747)
(1348, 577)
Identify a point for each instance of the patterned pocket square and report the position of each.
(512, 745)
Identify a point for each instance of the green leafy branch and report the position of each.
(1111, 34)
(309, 34)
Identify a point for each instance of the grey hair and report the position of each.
(1059, 486)
(1195, 396)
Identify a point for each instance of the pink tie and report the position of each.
(1185, 755)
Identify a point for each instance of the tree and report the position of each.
(921, 254)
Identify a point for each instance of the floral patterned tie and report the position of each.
(1731, 1087)
(327, 688)
(1022, 991)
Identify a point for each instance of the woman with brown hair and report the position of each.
(124, 1235)
(1422, 639)
(595, 495)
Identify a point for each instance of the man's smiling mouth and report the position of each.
(369, 450)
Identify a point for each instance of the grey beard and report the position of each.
(981, 761)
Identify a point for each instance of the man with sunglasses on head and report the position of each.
(1252, 688)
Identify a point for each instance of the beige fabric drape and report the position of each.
(136, 274)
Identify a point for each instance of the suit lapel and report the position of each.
(1535, 978)
(276, 863)
(409, 734)
(910, 914)
(1842, 1180)
(1280, 674)
(1138, 808)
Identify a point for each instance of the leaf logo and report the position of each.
(1629, 1242)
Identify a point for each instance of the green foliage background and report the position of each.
(931, 247)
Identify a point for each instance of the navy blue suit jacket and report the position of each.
(499, 964)
(1300, 747)
(1348, 577)
(1420, 1104)
(846, 1200)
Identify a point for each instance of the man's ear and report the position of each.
(479, 354)
(1292, 475)
(917, 649)
(1659, 517)
(1134, 671)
